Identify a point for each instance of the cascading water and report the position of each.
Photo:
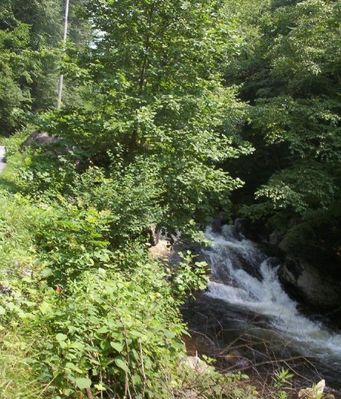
(244, 278)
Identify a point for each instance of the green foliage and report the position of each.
(90, 317)
(30, 37)
(151, 135)
(305, 186)
(188, 277)
(212, 384)
(16, 241)
(71, 241)
(20, 68)
(13, 143)
(309, 126)
(110, 334)
(95, 319)
(132, 194)
(17, 379)
(293, 85)
(164, 106)
(112, 320)
(282, 378)
(15, 64)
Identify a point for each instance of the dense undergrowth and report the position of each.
(83, 315)
(84, 311)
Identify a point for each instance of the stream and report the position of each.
(247, 299)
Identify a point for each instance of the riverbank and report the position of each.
(71, 304)
(25, 290)
(240, 343)
(249, 322)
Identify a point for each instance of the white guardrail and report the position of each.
(2, 158)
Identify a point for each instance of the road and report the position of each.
(2, 158)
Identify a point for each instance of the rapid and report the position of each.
(246, 280)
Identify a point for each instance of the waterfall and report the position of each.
(246, 279)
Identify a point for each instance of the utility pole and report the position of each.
(61, 78)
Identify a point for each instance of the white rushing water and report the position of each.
(248, 280)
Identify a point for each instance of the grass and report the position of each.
(17, 379)
(9, 181)
(17, 216)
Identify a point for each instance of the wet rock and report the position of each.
(236, 361)
(154, 234)
(308, 284)
(198, 342)
(275, 238)
(218, 222)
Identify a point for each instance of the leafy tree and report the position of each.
(30, 38)
(14, 65)
(293, 85)
(153, 89)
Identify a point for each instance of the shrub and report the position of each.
(72, 240)
(112, 334)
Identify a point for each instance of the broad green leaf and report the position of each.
(122, 364)
(61, 337)
(117, 346)
(83, 383)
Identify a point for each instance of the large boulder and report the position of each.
(161, 251)
(196, 364)
(310, 285)
(39, 139)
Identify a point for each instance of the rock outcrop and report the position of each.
(308, 283)
(39, 139)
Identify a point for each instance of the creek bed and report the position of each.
(250, 320)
